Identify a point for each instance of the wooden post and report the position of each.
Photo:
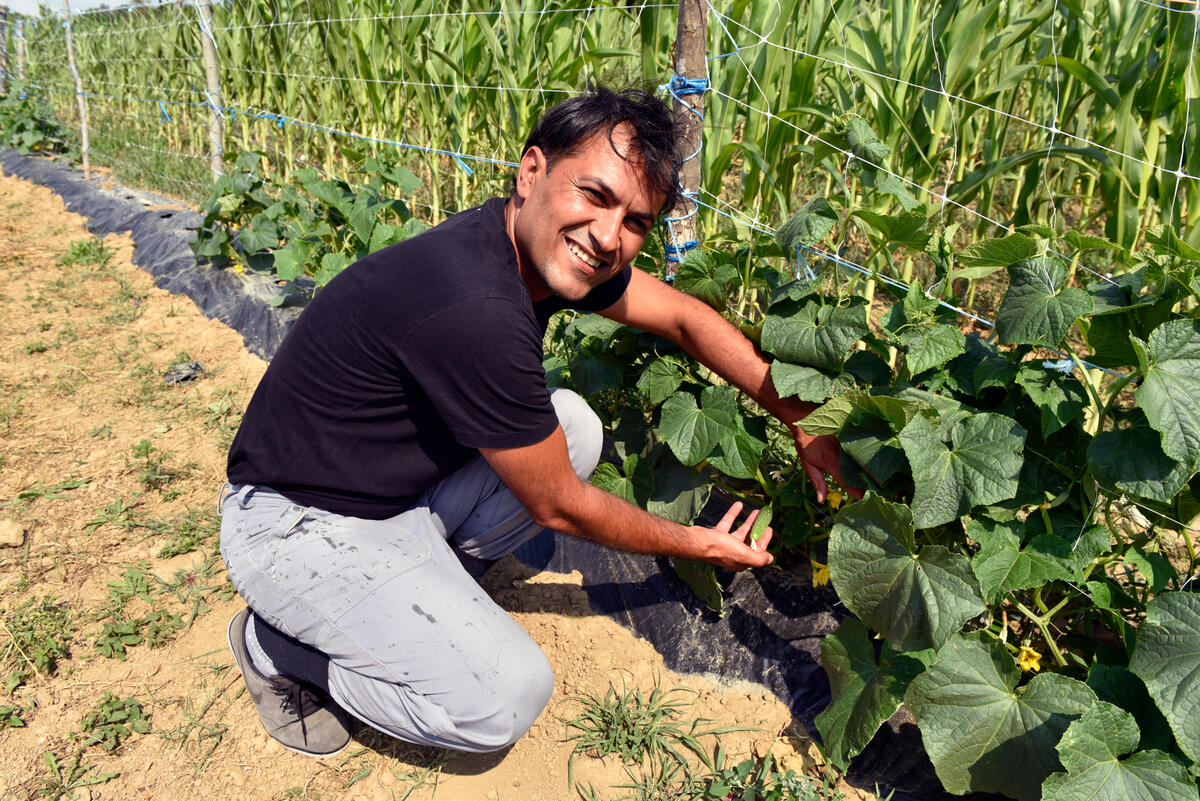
(83, 122)
(690, 65)
(21, 53)
(216, 125)
(3, 50)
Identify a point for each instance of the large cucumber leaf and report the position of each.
(982, 732)
(865, 692)
(1166, 657)
(980, 466)
(1130, 459)
(1091, 751)
(1003, 564)
(915, 598)
(1060, 398)
(819, 335)
(1170, 390)
(1036, 310)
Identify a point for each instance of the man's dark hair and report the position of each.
(654, 147)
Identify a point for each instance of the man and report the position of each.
(403, 438)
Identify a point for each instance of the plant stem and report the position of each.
(1044, 628)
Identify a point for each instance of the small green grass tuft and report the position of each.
(86, 252)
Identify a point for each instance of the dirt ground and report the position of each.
(110, 581)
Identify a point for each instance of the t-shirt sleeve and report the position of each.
(480, 364)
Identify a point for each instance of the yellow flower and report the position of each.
(835, 498)
(238, 267)
(1029, 659)
(820, 573)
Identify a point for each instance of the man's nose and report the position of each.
(606, 230)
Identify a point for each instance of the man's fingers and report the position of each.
(727, 521)
(817, 476)
(762, 542)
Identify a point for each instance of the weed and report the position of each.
(763, 782)
(67, 776)
(40, 346)
(117, 636)
(154, 629)
(86, 252)
(636, 729)
(44, 326)
(11, 716)
(113, 721)
(50, 493)
(9, 412)
(67, 335)
(102, 432)
(116, 514)
(127, 304)
(38, 633)
(189, 532)
(153, 474)
(133, 584)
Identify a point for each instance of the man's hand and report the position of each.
(732, 548)
(821, 455)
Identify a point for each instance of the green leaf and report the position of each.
(659, 380)
(865, 693)
(1003, 565)
(1170, 390)
(805, 383)
(980, 367)
(291, 260)
(608, 478)
(1166, 657)
(999, 252)
(261, 235)
(331, 265)
(1060, 398)
(836, 412)
(738, 453)
(706, 275)
(1091, 751)
(863, 142)
(1036, 310)
(591, 375)
(701, 576)
(679, 494)
(908, 228)
(1130, 459)
(1153, 565)
(930, 346)
(1117, 685)
(915, 598)
(982, 732)
(809, 225)
(816, 335)
(1166, 242)
(980, 466)
(690, 431)
(1089, 242)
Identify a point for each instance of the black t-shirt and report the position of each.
(401, 368)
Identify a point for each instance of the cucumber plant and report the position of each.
(1021, 569)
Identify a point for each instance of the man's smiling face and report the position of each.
(579, 222)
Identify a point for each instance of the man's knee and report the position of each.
(516, 700)
(584, 431)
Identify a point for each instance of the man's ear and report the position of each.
(531, 169)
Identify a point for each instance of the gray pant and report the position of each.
(415, 647)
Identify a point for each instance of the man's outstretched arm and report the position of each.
(542, 478)
(651, 305)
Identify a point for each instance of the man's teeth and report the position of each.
(593, 263)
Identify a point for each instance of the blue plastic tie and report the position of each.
(163, 111)
(1064, 366)
(802, 264)
(464, 165)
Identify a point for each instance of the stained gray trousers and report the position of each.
(415, 647)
